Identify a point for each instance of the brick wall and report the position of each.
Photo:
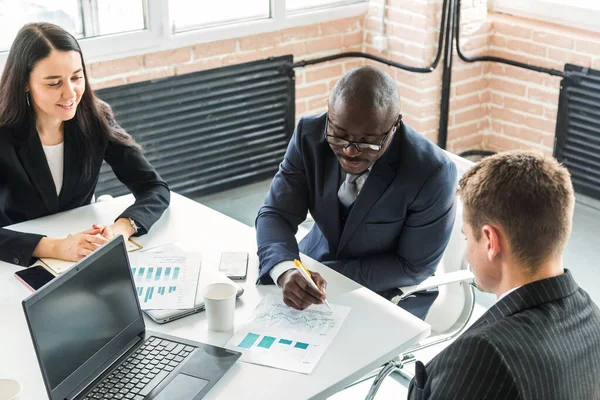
(492, 106)
(312, 83)
(523, 103)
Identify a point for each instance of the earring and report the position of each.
(27, 97)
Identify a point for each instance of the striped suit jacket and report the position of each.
(541, 341)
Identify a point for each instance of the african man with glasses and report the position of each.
(381, 195)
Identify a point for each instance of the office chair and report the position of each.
(452, 310)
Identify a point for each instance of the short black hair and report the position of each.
(367, 87)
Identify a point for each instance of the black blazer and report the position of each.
(400, 223)
(541, 341)
(27, 189)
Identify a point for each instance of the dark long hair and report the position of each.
(93, 123)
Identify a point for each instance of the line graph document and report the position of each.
(282, 337)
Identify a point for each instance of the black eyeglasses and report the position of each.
(359, 146)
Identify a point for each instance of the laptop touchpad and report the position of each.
(183, 387)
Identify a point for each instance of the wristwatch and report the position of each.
(133, 225)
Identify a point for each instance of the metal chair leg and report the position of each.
(384, 373)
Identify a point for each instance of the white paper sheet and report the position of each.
(166, 280)
(285, 338)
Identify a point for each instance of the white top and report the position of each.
(55, 156)
(358, 348)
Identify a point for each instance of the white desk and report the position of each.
(375, 331)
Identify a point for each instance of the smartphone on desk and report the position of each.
(234, 265)
(34, 277)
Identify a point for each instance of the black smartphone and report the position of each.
(34, 277)
(234, 265)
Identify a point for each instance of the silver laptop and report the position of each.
(89, 336)
(206, 277)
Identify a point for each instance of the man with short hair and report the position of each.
(381, 195)
(541, 340)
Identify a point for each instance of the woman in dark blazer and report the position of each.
(54, 135)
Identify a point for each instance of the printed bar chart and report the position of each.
(165, 280)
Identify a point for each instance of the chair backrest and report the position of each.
(454, 301)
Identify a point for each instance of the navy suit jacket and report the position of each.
(400, 223)
(541, 341)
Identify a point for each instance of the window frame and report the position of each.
(158, 36)
(550, 11)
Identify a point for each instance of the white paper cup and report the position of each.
(219, 300)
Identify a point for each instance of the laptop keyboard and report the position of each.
(142, 371)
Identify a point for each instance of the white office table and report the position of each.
(375, 331)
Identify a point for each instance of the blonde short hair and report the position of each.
(529, 195)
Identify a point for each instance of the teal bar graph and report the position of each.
(167, 273)
(248, 340)
(172, 289)
(176, 273)
(285, 341)
(300, 345)
(161, 290)
(133, 271)
(140, 290)
(149, 292)
(158, 273)
(150, 271)
(266, 342)
(141, 273)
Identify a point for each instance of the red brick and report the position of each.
(317, 103)
(201, 65)
(498, 40)
(220, 47)
(466, 88)
(299, 33)
(511, 30)
(569, 57)
(107, 83)
(406, 18)
(499, 85)
(419, 7)
(318, 74)
(297, 49)
(352, 39)
(260, 41)
(241, 58)
(473, 114)
(311, 90)
(114, 67)
(341, 26)
(554, 40)
(324, 44)
(526, 47)
(542, 95)
(586, 46)
(168, 57)
(348, 65)
(477, 98)
(301, 107)
(462, 71)
(473, 43)
(147, 76)
(523, 106)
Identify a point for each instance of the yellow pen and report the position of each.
(306, 274)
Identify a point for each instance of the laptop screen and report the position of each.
(87, 311)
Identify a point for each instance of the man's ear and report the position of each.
(491, 236)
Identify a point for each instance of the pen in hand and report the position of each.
(306, 274)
